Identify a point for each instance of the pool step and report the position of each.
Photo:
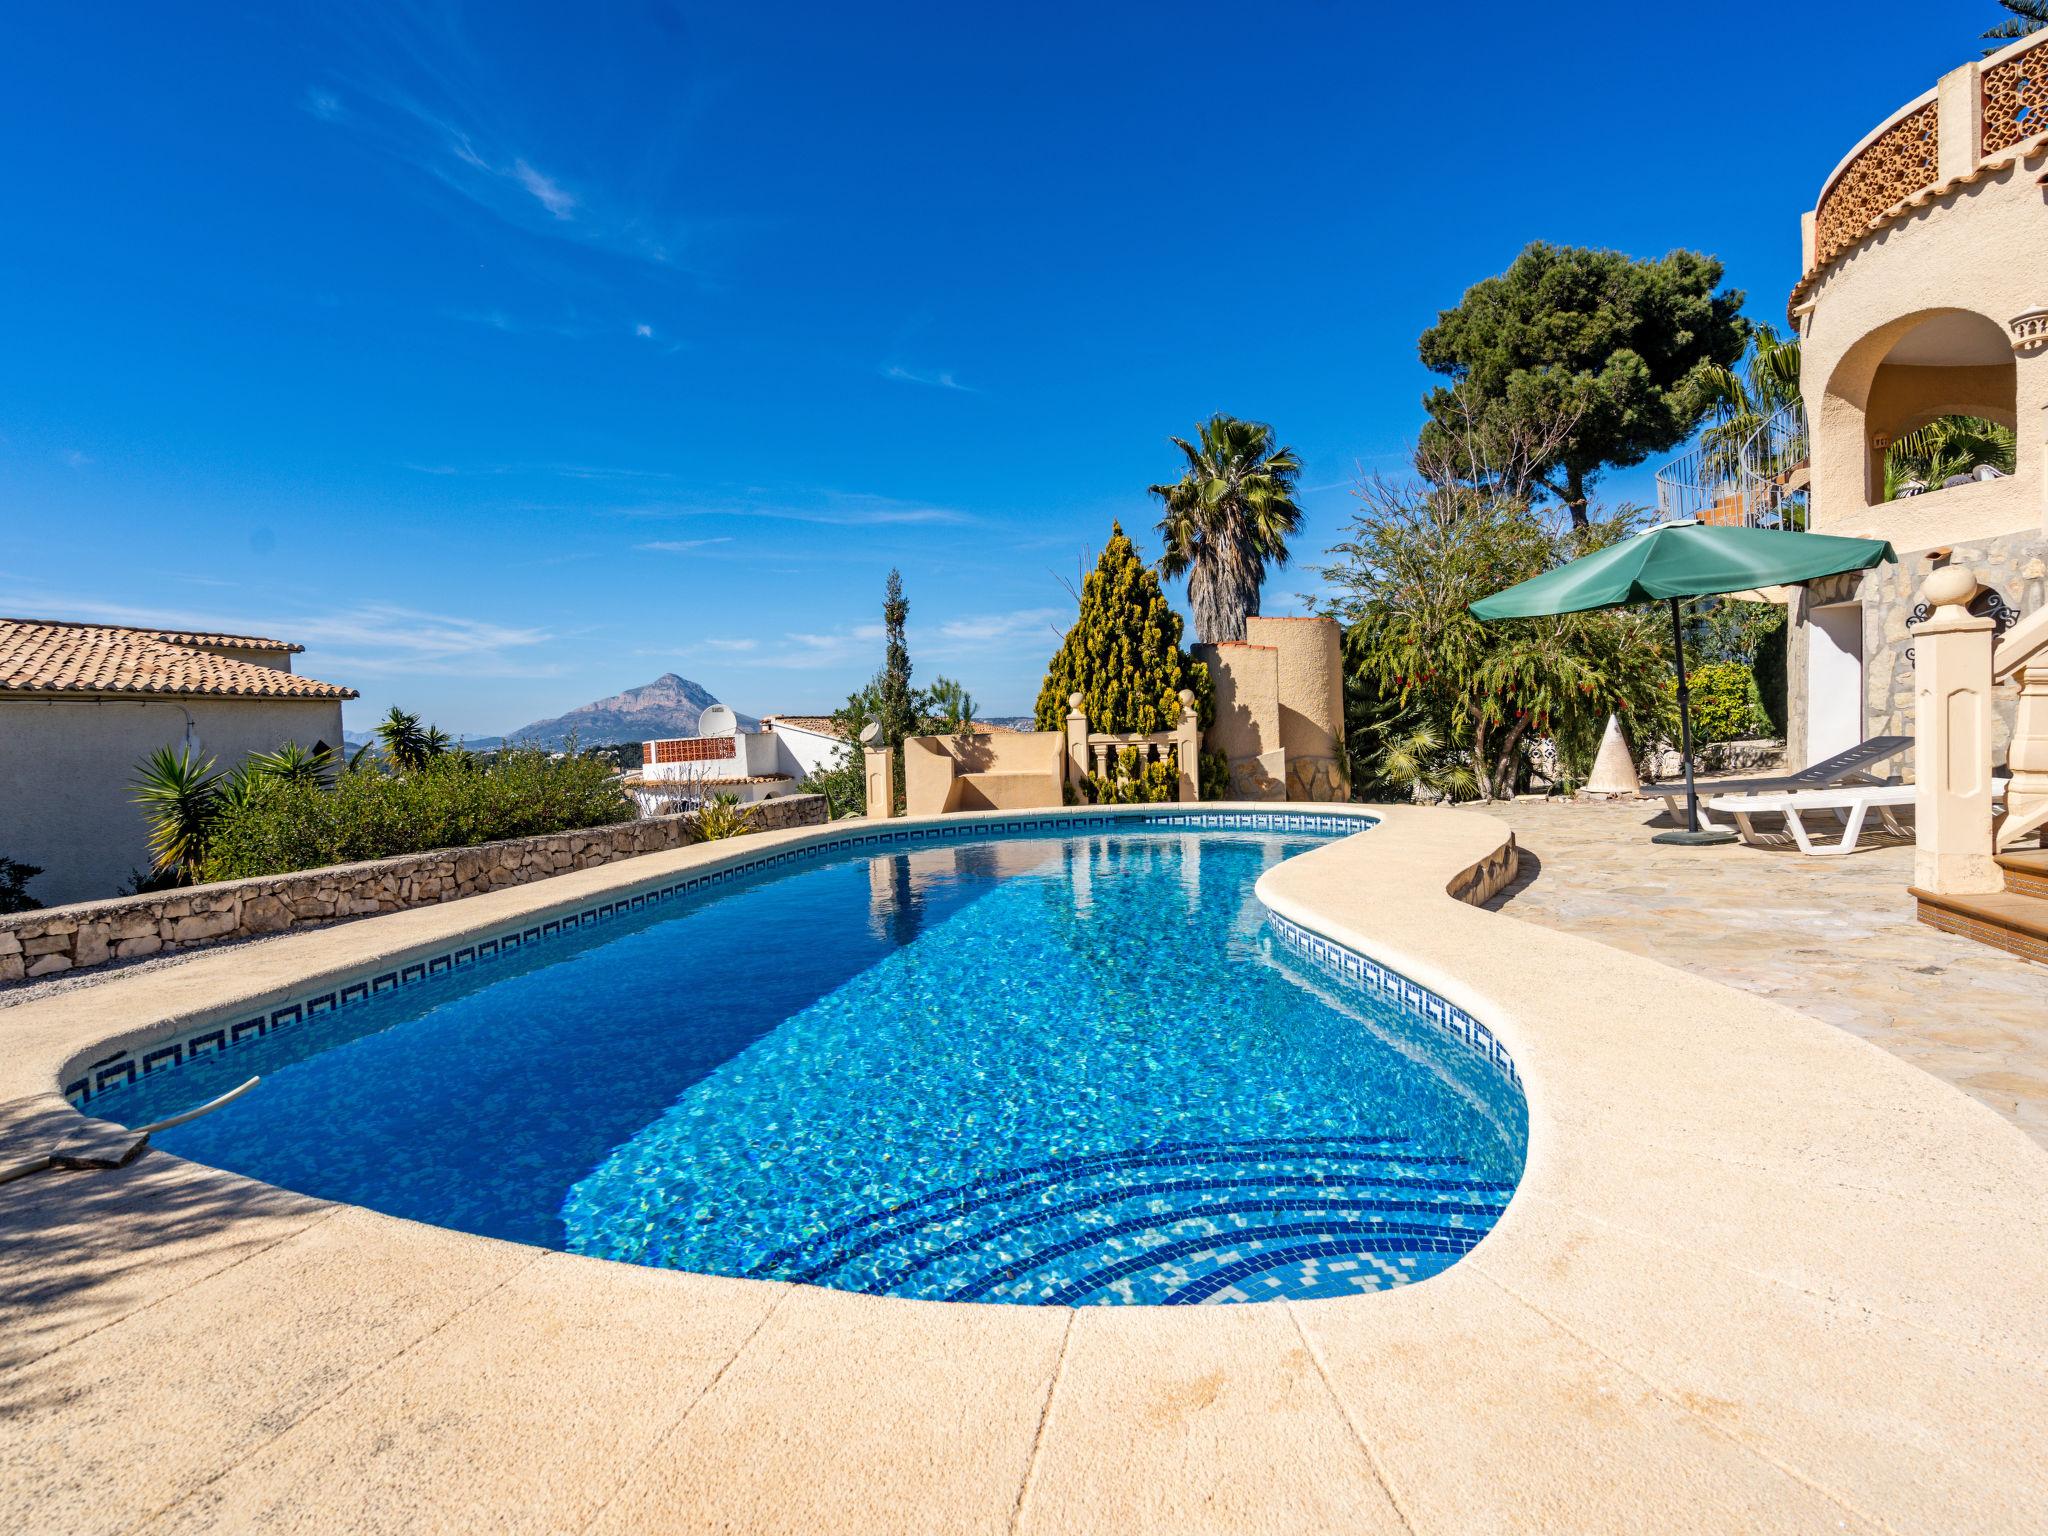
(2014, 919)
(1167, 1223)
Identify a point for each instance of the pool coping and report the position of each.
(1758, 1274)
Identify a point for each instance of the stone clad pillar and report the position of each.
(879, 772)
(1952, 741)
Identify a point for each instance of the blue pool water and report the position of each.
(1029, 1068)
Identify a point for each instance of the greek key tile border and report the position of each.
(1391, 985)
(124, 1067)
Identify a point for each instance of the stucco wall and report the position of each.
(67, 771)
(1979, 249)
(1247, 725)
(92, 933)
(1310, 664)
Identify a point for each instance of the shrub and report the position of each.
(276, 825)
(844, 785)
(1726, 705)
(723, 817)
(1123, 654)
(1132, 781)
(14, 879)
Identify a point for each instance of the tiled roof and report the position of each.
(231, 642)
(824, 725)
(49, 656)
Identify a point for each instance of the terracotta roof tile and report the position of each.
(824, 725)
(49, 656)
(232, 642)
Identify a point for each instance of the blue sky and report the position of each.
(514, 355)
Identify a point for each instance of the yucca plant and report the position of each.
(292, 764)
(406, 742)
(181, 796)
(723, 816)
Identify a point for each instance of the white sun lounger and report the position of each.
(1849, 804)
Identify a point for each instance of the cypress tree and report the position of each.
(1123, 655)
(896, 709)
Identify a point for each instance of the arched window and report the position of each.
(1941, 407)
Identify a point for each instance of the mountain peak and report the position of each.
(671, 705)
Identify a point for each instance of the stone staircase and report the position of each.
(2014, 919)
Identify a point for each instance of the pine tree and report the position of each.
(896, 708)
(1123, 655)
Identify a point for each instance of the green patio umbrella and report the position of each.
(1676, 561)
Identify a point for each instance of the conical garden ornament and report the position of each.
(1674, 562)
(1614, 769)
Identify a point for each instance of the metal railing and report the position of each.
(1762, 484)
(1775, 469)
(1699, 484)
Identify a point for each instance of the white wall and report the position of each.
(67, 773)
(807, 752)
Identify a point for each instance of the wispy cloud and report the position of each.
(75, 459)
(836, 509)
(365, 639)
(732, 645)
(548, 192)
(644, 331)
(989, 627)
(680, 546)
(480, 163)
(940, 380)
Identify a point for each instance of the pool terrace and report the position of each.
(1760, 1275)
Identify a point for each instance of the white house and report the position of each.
(82, 704)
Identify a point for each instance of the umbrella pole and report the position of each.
(1693, 836)
(1692, 795)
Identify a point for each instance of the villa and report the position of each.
(1141, 1131)
(82, 704)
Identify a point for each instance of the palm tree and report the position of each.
(1227, 518)
(1743, 401)
(1945, 447)
(2027, 16)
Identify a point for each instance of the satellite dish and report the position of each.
(718, 721)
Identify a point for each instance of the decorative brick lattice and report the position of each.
(2016, 99)
(1891, 168)
(694, 749)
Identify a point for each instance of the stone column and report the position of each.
(1187, 748)
(1077, 742)
(879, 767)
(1952, 741)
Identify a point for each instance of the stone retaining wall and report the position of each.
(91, 933)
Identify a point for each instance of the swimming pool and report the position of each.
(1071, 1065)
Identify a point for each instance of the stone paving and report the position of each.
(1834, 938)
